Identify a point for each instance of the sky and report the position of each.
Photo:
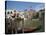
(21, 6)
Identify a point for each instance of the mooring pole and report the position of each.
(23, 25)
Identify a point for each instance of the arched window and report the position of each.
(14, 10)
(8, 12)
(11, 12)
